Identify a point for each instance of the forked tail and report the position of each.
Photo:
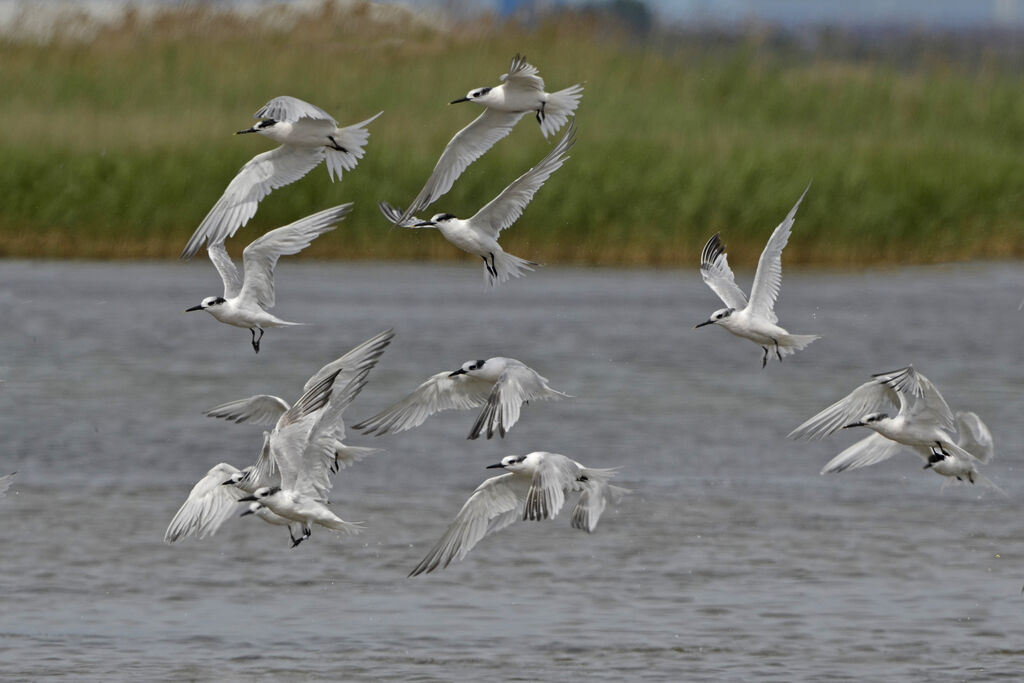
(499, 266)
(351, 140)
(558, 108)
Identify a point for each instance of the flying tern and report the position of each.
(247, 297)
(305, 426)
(479, 233)
(754, 320)
(522, 91)
(308, 135)
(533, 488)
(500, 385)
(923, 421)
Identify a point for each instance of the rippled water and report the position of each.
(732, 560)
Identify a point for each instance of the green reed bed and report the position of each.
(118, 147)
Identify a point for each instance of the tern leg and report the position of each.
(295, 541)
(764, 358)
(255, 339)
(540, 113)
(778, 355)
(335, 145)
(970, 477)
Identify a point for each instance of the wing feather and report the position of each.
(868, 451)
(261, 409)
(768, 279)
(437, 393)
(507, 207)
(207, 506)
(291, 109)
(716, 273)
(263, 174)
(260, 257)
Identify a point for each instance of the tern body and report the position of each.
(754, 319)
(248, 296)
(534, 487)
(479, 234)
(499, 385)
(308, 135)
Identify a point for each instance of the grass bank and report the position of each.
(117, 147)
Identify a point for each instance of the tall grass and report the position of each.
(118, 147)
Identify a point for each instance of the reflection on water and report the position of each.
(733, 559)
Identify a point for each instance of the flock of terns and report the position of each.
(290, 481)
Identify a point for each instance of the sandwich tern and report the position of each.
(923, 422)
(521, 91)
(306, 425)
(479, 233)
(266, 409)
(500, 385)
(308, 135)
(755, 320)
(533, 488)
(247, 297)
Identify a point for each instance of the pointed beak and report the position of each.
(247, 130)
(246, 499)
(496, 465)
(194, 308)
(854, 424)
(706, 322)
(425, 224)
(461, 99)
(226, 483)
(460, 371)
(247, 512)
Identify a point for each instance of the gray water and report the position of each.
(732, 560)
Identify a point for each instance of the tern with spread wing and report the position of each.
(479, 233)
(308, 135)
(923, 422)
(522, 91)
(533, 488)
(247, 297)
(500, 385)
(308, 422)
(754, 320)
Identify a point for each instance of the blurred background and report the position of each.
(698, 116)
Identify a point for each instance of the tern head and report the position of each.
(235, 478)
(472, 95)
(435, 220)
(261, 494)
(510, 462)
(253, 508)
(718, 316)
(260, 127)
(868, 420)
(468, 367)
(208, 302)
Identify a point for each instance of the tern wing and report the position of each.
(229, 274)
(592, 502)
(209, 503)
(869, 397)
(918, 397)
(260, 257)
(522, 75)
(261, 409)
(517, 384)
(362, 358)
(439, 392)
(546, 494)
(264, 173)
(495, 504)
(5, 482)
(318, 459)
(467, 146)
(398, 217)
(291, 109)
(768, 278)
(507, 207)
(975, 437)
(868, 451)
(292, 433)
(715, 270)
